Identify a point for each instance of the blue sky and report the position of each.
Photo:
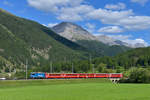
(126, 20)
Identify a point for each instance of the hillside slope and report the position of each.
(139, 57)
(100, 49)
(136, 57)
(22, 39)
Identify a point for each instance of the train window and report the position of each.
(55, 74)
(100, 74)
(71, 74)
(82, 74)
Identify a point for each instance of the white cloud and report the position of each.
(76, 10)
(44, 25)
(139, 40)
(53, 5)
(136, 42)
(119, 6)
(66, 10)
(135, 22)
(51, 24)
(127, 39)
(126, 19)
(109, 16)
(74, 13)
(142, 2)
(8, 3)
(120, 37)
(110, 29)
(90, 27)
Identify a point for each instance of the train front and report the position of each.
(37, 75)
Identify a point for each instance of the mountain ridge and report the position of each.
(75, 32)
(82, 37)
(72, 31)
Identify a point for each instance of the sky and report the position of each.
(126, 20)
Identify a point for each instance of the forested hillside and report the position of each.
(100, 49)
(22, 39)
(139, 58)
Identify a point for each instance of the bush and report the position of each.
(138, 75)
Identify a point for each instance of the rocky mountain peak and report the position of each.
(72, 31)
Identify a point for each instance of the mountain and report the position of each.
(75, 32)
(72, 31)
(22, 39)
(98, 47)
(108, 40)
(111, 41)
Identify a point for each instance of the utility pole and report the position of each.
(51, 67)
(26, 69)
(90, 58)
(93, 68)
(72, 68)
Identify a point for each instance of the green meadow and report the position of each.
(79, 89)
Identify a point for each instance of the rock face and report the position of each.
(72, 32)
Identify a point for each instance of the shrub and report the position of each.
(137, 75)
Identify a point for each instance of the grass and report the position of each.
(87, 89)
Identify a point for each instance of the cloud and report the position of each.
(51, 24)
(65, 10)
(142, 2)
(109, 16)
(125, 19)
(119, 6)
(90, 27)
(53, 5)
(140, 42)
(8, 3)
(135, 22)
(74, 13)
(110, 29)
(127, 39)
(77, 10)
(120, 37)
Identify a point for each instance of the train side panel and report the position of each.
(37, 75)
(79, 75)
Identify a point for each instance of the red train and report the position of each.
(75, 75)
(48, 75)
